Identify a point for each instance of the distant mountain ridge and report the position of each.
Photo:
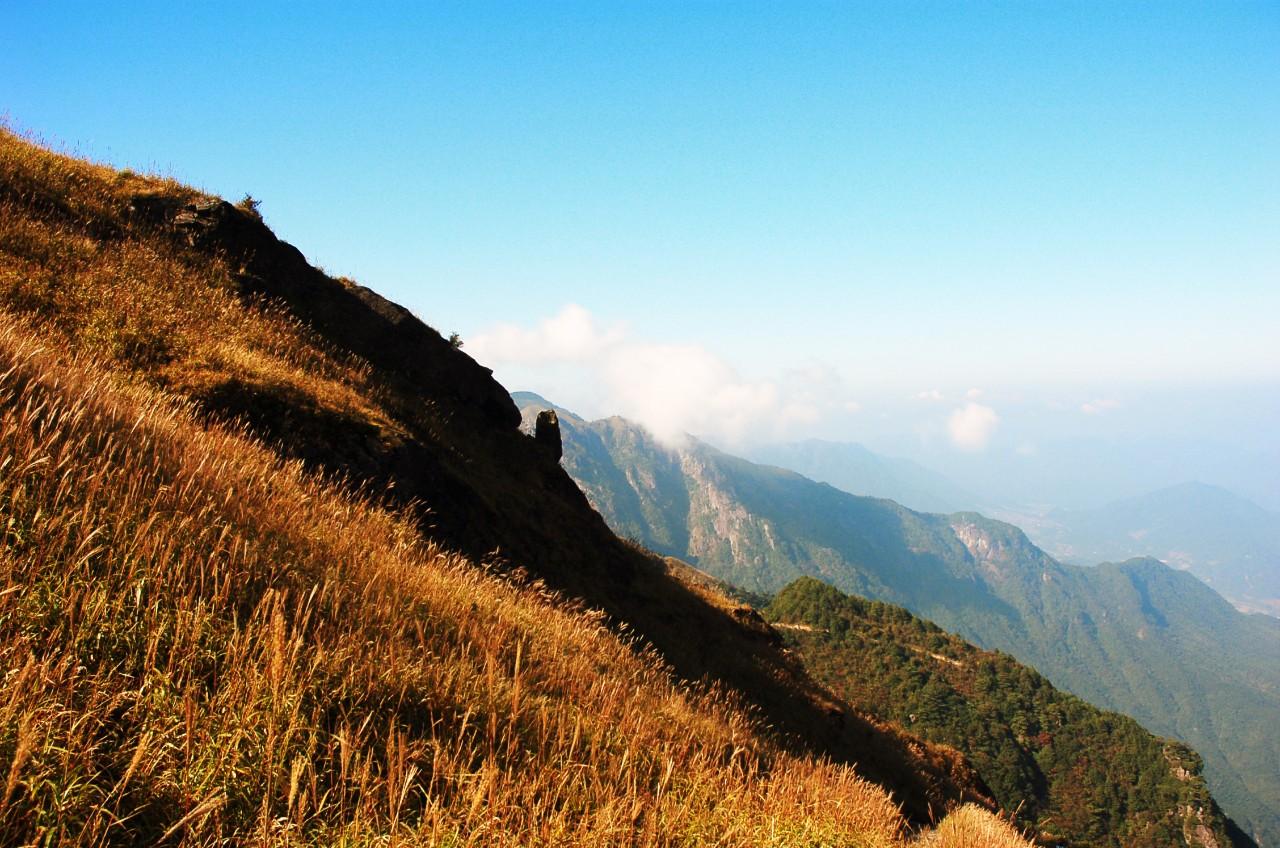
(1227, 540)
(857, 470)
(1136, 637)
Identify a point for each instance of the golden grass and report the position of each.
(972, 827)
(74, 259)
(205, 645)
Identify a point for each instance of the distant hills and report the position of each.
(1228, 541)
(855, 469)
(1087, 471)
(1137, 637)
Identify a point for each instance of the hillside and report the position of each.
(1228, 541)
(279, 567)
(853, 468)
(1138, 638)
(1075, 774)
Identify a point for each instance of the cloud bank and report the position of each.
(1099, 406)
(972, 425)
(570, 335)
(672, 389)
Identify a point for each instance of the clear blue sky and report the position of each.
(904, 196)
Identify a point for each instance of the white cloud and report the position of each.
(672, 389)
(973, 394)
(1099, 406)
(932, 395)
(571, 335)
(971, 426)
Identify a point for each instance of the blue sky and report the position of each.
(822, 211)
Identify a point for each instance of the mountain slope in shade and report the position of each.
(1139, 637)
(1228, 541)
(853, 468)
(1077, 776)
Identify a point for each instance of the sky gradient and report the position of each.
(810, 215)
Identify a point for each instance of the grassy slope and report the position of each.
(204, 640)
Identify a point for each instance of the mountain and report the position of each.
(857, 470)
(1228, 541)
(1088, 471)
(1075, 775)
(1137, 637)
(279, 567)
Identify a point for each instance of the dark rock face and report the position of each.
(349, 316)
(546, 432)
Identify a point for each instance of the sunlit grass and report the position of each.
(972, 827)
(204, 640)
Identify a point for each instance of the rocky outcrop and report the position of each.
(348, 316)
(546, 432)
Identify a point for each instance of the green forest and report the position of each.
(1074, 774)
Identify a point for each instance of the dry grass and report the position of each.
(74, 259)
(972, 827)
(205, 645)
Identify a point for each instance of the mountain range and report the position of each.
(1136, 637)
(1226, 540)
(853, 468)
